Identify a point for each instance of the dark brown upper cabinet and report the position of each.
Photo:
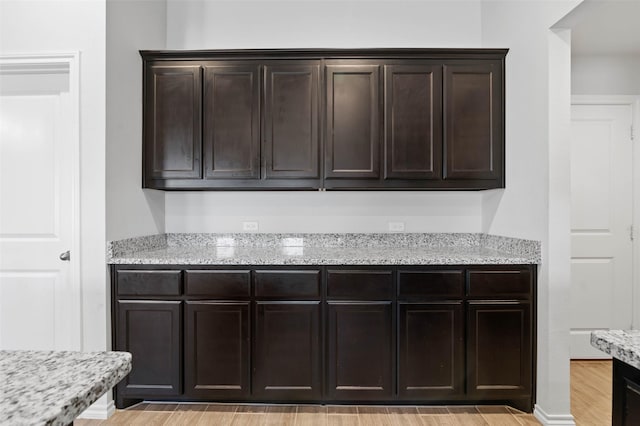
(232, 121)
(291, 139)
(353, 114)
(413, 121)
(473, 102)
(172, 108)
(324, 119)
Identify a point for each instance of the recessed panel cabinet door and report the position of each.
(473, 120)
(413, 121)
(290, 139)
(499, 343)
(353, 119)
(232, 121)
(151, 331)
(430, 350)
(172, 112)
(360, 345)
(287, 351)
(217, 350)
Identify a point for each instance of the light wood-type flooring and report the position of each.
(590, 405)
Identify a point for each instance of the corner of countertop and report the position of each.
(530, 249)
(120, 248)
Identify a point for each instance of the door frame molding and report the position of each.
(62, 63)
(634, 102)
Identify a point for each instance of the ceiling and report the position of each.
(604, 27)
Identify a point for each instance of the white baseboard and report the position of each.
(99, 411)
(553, 419)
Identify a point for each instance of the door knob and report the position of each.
(65, 256)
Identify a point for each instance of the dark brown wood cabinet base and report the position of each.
(626, 394)
(335, 334)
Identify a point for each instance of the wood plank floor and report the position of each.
(590, 404)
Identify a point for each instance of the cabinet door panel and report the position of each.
(430, 350)
(151, 331)
(217, 350)
(499, 359)
(232, 121)
(291, 121)
(172, 111)
(413, 121)
(287, 351)
(353, 119)
(360, 365)
(473, 118)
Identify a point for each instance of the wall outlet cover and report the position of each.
(396, 226)
(250, 226)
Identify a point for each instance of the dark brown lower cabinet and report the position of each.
(217, 350)
(338, 334)
(287, 351)
(430, 350)
(499, 342)
(626, 394)
(360, 343)
(151, 331)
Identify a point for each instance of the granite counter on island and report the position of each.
(624, 347)
(54, 387)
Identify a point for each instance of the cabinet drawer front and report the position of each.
(433, 284)
(218, 284)
(149, 283)
(287, 284)
(367, 285)
(499, 283)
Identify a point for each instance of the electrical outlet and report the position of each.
(396, 226)
(250, 226)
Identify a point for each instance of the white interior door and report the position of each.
(39, 301)
(601, 220)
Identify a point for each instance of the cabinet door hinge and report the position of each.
(631, 232)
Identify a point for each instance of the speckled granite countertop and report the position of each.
(54, 387)
(323, 249)
(620, 344)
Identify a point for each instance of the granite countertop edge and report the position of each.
(623, 345)
(323, 249)
(41, 402)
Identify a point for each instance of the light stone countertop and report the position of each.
(54, 387)
(323, 249)
(620, 344)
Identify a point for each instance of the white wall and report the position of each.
(212, 24)
(132, 25)
(605, 75)
(316, 24)
(64, 26)
(324, 211)
(535, 202)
